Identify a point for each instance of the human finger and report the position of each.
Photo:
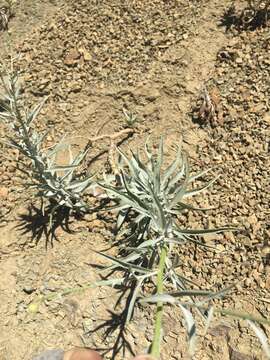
(81, 354)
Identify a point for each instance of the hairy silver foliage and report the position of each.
(53, 182)
(149, 197)
(156, 196)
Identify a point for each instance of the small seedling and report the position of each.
(130, 118)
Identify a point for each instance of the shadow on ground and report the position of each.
(116, 325)
(44, 222)
(250, 18)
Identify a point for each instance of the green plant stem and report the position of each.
(155, 348)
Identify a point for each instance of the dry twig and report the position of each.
(207, 110)
(111, 150)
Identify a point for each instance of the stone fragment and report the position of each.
(3, 192)
(72, 57)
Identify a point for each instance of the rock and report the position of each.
(72, 57)
(211, 238)
(74, 86)
(267, 281)
(147, 92)
(153, 95)
(220, 330)
(3, 192)
(229, 236)
(247, 282)
(236, 355)
(238, 60)
(86, 54)
(28, 289)
(267, 117)
(259, 108)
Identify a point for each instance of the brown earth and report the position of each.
(94, 58)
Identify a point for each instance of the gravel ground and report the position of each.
(92, 58)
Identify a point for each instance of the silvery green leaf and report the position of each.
(191, 293)
(182, 279)
(53, 185)
(149, 243)
(128, 162)
(34, 113)
(164, 298)
(16, 145)
(261, 336)
(57, 148)
(131, 257)
(80, 156)
(6, 100)
(157, 167)
(171, 169)
(110, 282)
(79, 186)
(189, 238)
(147, 150)
(127, 199)
(125, 264)
(17, 91)
(133, 300)
(180, 193)
(121, 217)
(191, 328)
(135, 250)
(62, 168)
(199, 232)
(161, 216)
(177, 241)
(217, 295)
(117, 207)
(200, 189)
(143, 172)
(180, 207)
(177, 194)
(199, 175)
(182, 173)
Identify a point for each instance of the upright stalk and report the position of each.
(155, 348)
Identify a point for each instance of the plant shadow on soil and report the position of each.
(116, 323)
(39, 223)
(247, 19)
(44, 222)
